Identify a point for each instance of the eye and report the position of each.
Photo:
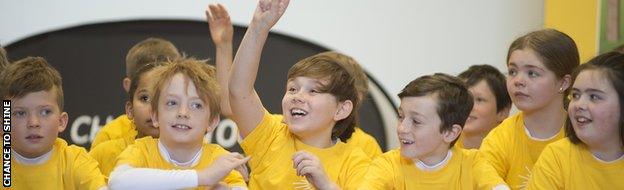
(292, 90)
(512, 72)
(533, 74)
(416, 122)
(401, 117)
(197, 106)
(144, 98)
(576, 95)
(19, 113)
(315, 91)
(594, 97)
(171, 103)
(479, 99)
(46, 112)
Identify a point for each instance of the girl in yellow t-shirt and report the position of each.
(592, 155)
(317, 106)
(185, 106)
(539, 65)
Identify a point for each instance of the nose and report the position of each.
(518, 80)
(401, 129)
(33, 121)
(297, 97)
(579, 104)
(182, 112)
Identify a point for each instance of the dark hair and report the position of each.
(136, 77)
(611, 66)
(148, 51)
(28, 75)
(555, 49)
(341, 84)
(454, 100)
(494, 79)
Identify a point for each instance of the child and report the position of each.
(539, 66)
(317, 108)
(185, 106)
(431, 115)
(491, 104)
(145, 52)
(592, 154)
(138, 110)
(40, 159)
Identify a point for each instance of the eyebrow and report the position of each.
(589, 90)
(526, 66)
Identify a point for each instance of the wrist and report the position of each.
(205, 178)
(226, 45)
(257, 29)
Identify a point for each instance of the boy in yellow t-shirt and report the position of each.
(185, 106)
(592, 155)
(40, 159)
(145, 52)
(138, 106)
(431, 115)
(302, 150)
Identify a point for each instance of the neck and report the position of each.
(546, 122)
(607, 151)
(318, 142)
(473, 141)
(182, 152)
(435, 159)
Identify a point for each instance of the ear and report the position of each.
(452, 134)
(129, 109)
(344, 109)
(154, 119)
(213, 124)
(566, 82)
(126, 84)
(63, 122)
(503, 114)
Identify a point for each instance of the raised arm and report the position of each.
(246, 106)
(221, 33)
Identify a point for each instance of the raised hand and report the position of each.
(220, 168)
(221, 30)
(267, 13)
(310, 166)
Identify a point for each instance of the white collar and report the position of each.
(33, 161)
(165, 154)
(422, 166)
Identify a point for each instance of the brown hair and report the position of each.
(28, 75)
(454, 101)
(555, 49)
(494, 79)
(611, 65)
(4, 61)
(149, 51)
(341, 84)
(199, 72)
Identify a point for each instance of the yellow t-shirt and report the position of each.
(564, 165)
(460, 142)
(366, 142)
(392, 171)
(120, 127)
(69, 167)
(106, 153)
(360, 139)
(271, 147)
(508, 153)
(144, 153)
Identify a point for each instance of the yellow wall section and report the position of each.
(577, 18)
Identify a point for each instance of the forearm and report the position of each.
(128, 177)
(224, 64)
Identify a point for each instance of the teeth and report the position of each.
(179, 126)
(582, 120)
(298, 112)
(406, 142)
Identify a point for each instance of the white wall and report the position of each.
(395, 41)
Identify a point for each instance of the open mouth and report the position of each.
(34, 137)
(298, 113)
(181, 127)
(582, 120)
(406, 142)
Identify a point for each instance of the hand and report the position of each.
(310, 166)
(221, 30)
(220, 168)
(268, 13)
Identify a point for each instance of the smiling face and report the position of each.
(419, 128)
(594, 109)
(37, 121)
(308, 112)
(530, 84)
(183, 117)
